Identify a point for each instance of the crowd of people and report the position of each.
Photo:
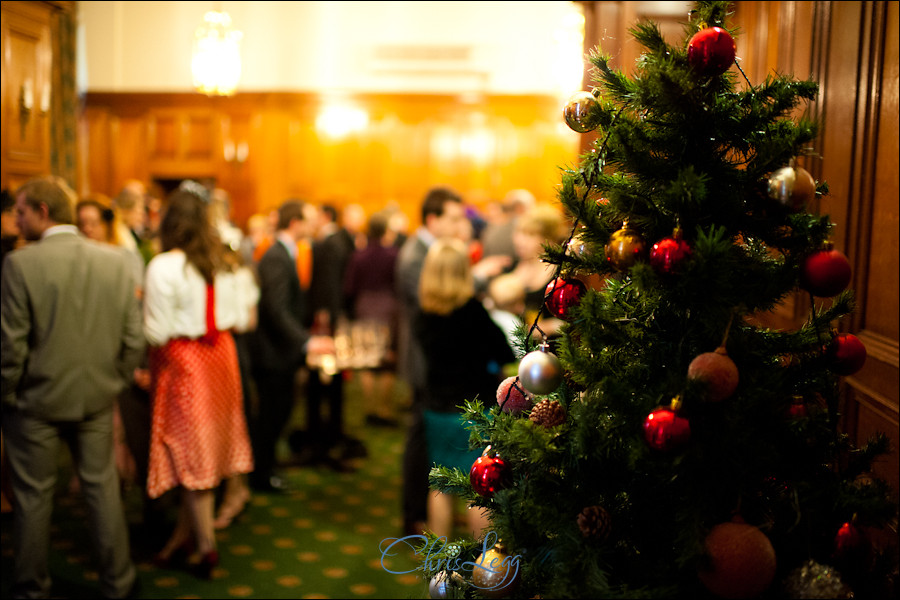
(168, 347)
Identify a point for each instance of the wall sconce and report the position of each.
(26, 102)
(216, 63)
(236, 153)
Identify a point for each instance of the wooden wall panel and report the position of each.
(483, 148)
(27, 55)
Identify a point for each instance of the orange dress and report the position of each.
(199, 433)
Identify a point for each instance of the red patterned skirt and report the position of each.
(199, 432)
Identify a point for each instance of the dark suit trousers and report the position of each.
(415, 464)
(324, 433)
(275, 389)
(33, 446)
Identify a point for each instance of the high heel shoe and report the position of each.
(208, 562)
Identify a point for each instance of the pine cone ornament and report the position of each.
(594, 522)
(548, 413)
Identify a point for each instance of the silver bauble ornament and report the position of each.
(812, 580)
(443, 584)
(540, 372)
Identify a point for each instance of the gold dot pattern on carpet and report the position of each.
(335, 572)
(241, 591)
(241, 550)
(289, 581)
(319, 541)
(263, 565)
(308, 556)
(280, 511)
(313, 596)
(165, 582)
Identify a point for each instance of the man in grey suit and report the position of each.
(70, 334)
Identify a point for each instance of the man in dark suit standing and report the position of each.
(324, 439)
(443, 215)
(70, 333)
(280, 342)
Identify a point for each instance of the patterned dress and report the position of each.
(199, 431)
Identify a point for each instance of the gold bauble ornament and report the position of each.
(578, 110)
(495, 574)
(625, 248)
(792, 187)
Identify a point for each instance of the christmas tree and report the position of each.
(665, 444)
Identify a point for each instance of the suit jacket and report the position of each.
(330, 258)
(281, 335)
(70, 327)
(408, 271)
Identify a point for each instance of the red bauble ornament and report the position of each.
(489, 474)
(742, 561)
(512, 397)
(825, 273)
(849, 543)
(719, 372)
(562, 294)
(665, 430)
(847, 354)
(711, 51)
(668, 255)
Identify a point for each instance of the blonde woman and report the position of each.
(464, 354)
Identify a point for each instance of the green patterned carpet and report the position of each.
(320, 541)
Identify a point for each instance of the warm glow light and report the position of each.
(338, 121)
(569, 38)
(216, 64)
